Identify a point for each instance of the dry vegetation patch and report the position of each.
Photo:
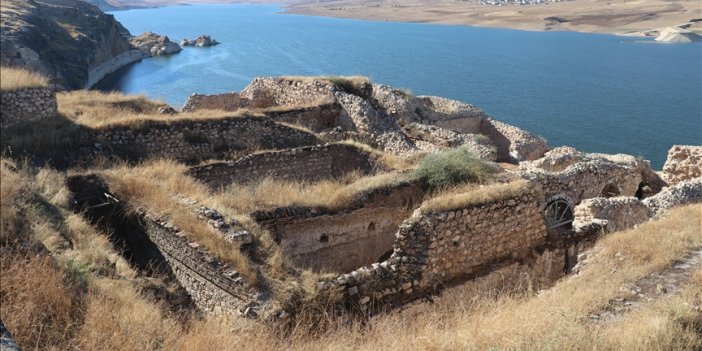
(95, 109)
(269, 194)
(472, 194)
(15, 79)
(46, 304)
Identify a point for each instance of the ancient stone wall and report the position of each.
(316, 118)
(619, 212)
(214, 287)
(585, 180)
(340, 241)
(684, 163)
(436, 248)
(267, 92)
(305, 164)
(513, 144)
(225, 101)
(27, 105)
(685, 192)
(191, 140)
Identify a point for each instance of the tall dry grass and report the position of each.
(472, 194)
(47, 306)
(95, 109)
(153, 186)
(269, 194)
(18, 78)
(39, 305)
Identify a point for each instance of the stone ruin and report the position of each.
(25, 106)
(382, 116)
(386, 249)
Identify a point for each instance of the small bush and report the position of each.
(447, 168)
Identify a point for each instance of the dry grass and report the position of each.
(269, 194)
(39, 305)
(46, 307)
(119, 318)
(471, 195)
(386, 159)
(16, 78)
(13, 194)
(153, 185)
(95, 109)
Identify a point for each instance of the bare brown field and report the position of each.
(593, 16)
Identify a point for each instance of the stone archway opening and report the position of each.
(558, 215)
(610, 190)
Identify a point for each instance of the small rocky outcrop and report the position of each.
(154, 44)
(201, 41)
(684, 162)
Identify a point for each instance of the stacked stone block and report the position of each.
(24, 106)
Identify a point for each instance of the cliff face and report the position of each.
(70, 41)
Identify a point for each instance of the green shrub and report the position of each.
(451, 167)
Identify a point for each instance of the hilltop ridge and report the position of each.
(73, 43)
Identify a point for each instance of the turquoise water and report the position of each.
(598, 93)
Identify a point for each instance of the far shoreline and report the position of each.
(535, 18)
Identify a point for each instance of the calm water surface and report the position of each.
(598, 93)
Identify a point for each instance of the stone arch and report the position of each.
(610, 190)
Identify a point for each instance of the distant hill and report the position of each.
(72, 42)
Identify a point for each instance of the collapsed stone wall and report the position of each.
(584, 180)
(685, 192)
(305, 164)
(190, 140)
(435, 248)
(224, 101)
(513, 144)
(213, 286)
(317, 118)
(28, 105)
(269, 91)
(343, 240)
(620, 212)
(684, 162)
(432, 138)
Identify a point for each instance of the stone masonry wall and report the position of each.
(684, 162)
(344, 240)
(437, 248)
(213, 286)
(585, 180)
(464, 240)
(316, 118)
(513, 144)
(225, 101)
(28, 105)
(620, 212)
(305, 164)
(191, 140)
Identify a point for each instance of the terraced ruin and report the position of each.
(311, 189)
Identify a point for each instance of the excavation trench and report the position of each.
(127, 232)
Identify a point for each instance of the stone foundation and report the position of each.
(343, 240)
(684, 163)
(190, 140)
(24, 106)
(302, 164)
